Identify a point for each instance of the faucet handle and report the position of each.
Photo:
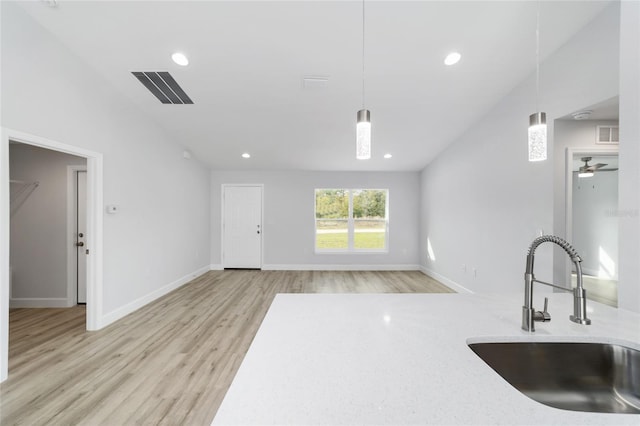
(546, 317)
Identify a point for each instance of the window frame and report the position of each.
(351, 249)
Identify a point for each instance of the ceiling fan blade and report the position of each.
(592, 168)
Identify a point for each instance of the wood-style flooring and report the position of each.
(170, 362)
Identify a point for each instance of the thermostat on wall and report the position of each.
(112, 209)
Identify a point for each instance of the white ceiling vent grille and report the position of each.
(315, 82)
(607, 135)
(163, 87)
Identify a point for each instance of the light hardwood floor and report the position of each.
(170, 362)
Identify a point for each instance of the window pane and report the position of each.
(369, 204)
(369, 234)
(332, 234)
(332, 204)
(359, 226)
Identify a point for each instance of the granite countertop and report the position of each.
(401, 359)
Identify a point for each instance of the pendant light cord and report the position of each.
(538, 58)
(362, 54)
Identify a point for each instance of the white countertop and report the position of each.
(401, 359)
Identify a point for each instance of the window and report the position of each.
(352, 220)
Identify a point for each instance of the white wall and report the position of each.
(289, 228)
(39, 227)
(482, 201)
(629, 205)
(160, 237)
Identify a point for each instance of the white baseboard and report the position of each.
(39, 302)
(216, 267)
(594, 273)
(446, 281)
(318, 267)
(586, 271)
(144, 300)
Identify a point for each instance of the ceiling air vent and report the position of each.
(608, 135)
(163, 87)
(315, 82)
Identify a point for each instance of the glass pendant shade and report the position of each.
(538, 136)
(363, 135)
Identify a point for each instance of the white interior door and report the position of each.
(81, 235)
(242, 227)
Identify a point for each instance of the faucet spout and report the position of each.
(529, 315)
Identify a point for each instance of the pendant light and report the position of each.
(363, 123)
(538, 121)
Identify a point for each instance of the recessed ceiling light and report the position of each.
(246, 155)
(180, 59)
(452, 58)
(388, 156)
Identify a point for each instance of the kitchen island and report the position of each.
(403, 359)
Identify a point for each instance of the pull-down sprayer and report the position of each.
(529, 315)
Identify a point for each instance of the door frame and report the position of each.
(94, 229)
(223, 187)
(72, 258)
(568, 187)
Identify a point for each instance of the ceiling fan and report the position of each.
(588, 170)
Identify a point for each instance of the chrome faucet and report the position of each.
(529, 315)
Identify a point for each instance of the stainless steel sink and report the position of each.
(594, 377)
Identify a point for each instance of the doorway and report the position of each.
(93, 243)
(42, 242)
(592, 220)
(242, 230)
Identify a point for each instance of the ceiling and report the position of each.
(248, 59)
(605, 110)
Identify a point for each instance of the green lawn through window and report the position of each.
(362, 240)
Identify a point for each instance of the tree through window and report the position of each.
(351, 219)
